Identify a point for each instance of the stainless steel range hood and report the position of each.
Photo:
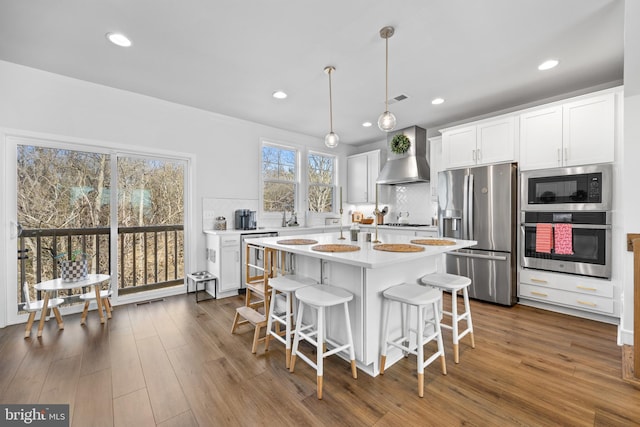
(411, 166)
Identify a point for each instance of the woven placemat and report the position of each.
(335, 248)
(398, 247)
(434, 242)
(297, 242)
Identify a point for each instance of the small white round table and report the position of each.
(54, 285)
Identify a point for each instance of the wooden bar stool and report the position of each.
(284, 286)
(409, 294)
(319, 297)
(453, 283)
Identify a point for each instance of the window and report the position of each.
(321, 170)
(279, 178)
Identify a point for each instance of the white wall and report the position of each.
(226, 150)
(631, 171)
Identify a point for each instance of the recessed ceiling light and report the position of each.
(548, 64)
(118, 39)
(279, 94)
(366, 124)
(437, 101)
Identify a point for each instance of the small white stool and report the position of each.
(320, 297)
(413, 294)
(454, 283)
(284, 285)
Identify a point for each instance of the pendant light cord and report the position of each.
(330, 104)
(386, 77)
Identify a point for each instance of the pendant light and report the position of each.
(386, 121)
(332, 139)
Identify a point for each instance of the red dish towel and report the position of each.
(563, 240)
(544, 238)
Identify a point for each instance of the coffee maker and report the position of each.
(245, 219)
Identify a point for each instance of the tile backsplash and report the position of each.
(415, 199)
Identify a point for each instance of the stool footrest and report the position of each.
(254, 317)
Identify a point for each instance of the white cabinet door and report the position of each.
(495, 141)
(357, 185)
(229, 268)
(435, 164)
(588, 132)
(459, 147)
(362, 173)
(541, 138)
(373, 170)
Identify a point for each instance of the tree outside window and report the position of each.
(321, 178)
(279, 177)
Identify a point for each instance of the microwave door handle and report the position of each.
(470, 207)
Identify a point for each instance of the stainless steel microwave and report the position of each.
(579, 188)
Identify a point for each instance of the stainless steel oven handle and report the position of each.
(581, 226)
(491, 257)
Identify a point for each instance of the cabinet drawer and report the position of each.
(230, 241)
(569, 283)
(570, 299)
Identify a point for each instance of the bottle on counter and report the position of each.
(355, 229)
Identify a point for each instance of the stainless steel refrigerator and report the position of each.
(480, 203)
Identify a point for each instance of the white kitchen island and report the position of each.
(366, 273)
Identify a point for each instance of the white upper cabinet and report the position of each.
(588, 131)
(435, 164)
(573, 133)
(541, 138)
(459, 147)
(362, 173)
(479, 143)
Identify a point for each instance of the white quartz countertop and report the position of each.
(314, 229)
(317, 229)
(367, 256)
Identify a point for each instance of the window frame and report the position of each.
(296, 182)
(333, 185)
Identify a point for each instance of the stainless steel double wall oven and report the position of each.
(579, 196)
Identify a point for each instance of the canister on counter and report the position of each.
(220, 223)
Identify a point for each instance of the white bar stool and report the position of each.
(284, 286)
(413, 294)
(454, 283)
(320, 297)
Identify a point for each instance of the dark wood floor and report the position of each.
(174, 363)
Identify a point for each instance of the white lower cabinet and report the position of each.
(223, 260)
(575, 292)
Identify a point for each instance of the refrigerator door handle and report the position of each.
(490, 257)
(465, 208)
(470, 208)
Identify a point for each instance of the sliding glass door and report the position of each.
(123, 212)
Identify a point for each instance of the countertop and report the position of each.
(318, 229)
(366, 257)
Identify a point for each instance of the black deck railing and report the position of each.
(149, 257)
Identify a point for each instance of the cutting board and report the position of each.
(398, 247)
(434, 242)
(297, 242)
(335, 248)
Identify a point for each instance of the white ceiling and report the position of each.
(228, 56)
